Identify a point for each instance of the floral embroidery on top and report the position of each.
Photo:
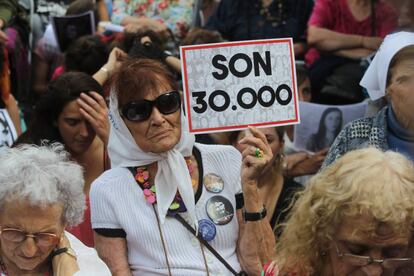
(141, 176)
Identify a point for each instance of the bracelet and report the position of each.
(62, 250)
(108, 74)
(255, 216)
(165, 54)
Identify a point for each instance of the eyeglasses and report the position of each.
(357, 260)
(139, 111)
(42, 239)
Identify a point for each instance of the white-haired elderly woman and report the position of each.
(41, 193)
(354, 218)
(390, 75)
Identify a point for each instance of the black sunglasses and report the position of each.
(139, 111)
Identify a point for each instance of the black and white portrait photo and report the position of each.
(330, 124)
(321, 124)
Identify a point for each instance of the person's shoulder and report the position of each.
(88, 261)
(224, 150)
(110, 179)
(359, 128)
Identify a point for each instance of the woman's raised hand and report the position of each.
(94, 109)
(114, 60)
(256, 156)
(64, 264)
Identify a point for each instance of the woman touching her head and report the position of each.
(74, 113)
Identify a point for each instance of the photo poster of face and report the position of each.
(68, 28)
(321, 124)
(8, 133)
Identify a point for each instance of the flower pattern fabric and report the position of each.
(175, 14)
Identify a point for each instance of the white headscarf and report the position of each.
(172, 173)
(375, 78)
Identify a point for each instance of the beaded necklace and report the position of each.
(141, 175)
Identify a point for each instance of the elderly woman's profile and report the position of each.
(41, 193)
(330, 125)
(353, 218)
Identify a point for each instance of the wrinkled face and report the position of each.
(272, 138)
(305, 94)
(27, 255)
(75, 130)
(355, 236)
(333, 121)
(160, 132)
(401, 92)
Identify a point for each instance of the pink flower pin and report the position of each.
(141, 176)
(149, 196)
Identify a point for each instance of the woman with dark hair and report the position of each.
(86, 54)
(74, 113)
(329, 127)
(276, 191)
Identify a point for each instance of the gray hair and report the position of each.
(42, 176)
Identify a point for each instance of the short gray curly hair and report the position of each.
(43, 175)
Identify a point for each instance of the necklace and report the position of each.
(141, 175)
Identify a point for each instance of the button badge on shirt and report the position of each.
(213, 183)
(219, 210)
(206, 229)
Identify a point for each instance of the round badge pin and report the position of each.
(213, 183)
(219, 210)
(206, 229)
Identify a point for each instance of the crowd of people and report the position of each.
(100, 175)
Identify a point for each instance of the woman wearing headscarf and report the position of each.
(390, 75)
(170, 206)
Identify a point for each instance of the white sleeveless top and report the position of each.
(117, 202)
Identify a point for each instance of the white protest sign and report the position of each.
(232, 85)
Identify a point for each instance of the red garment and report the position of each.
(84, 230)
(335, 15)
(58, 71)
(5, 86)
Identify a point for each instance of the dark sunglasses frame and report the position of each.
(143, 108)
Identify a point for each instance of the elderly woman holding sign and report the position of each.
(391, 74)
(169, 206)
